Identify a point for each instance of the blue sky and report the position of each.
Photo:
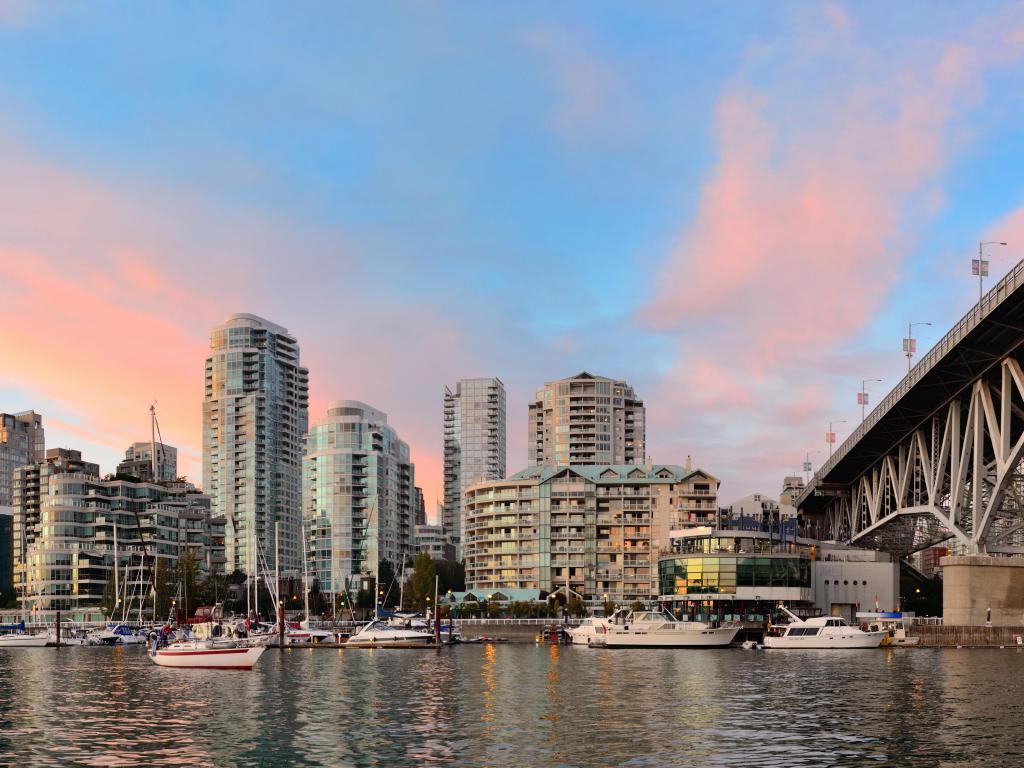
(736, 207)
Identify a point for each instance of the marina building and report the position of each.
(22, 441)
(358, 494)
(596, 529)
(586, 419)
(474, 446)
(68, 520)
(138, 462)
(740, 572)
(255, 418)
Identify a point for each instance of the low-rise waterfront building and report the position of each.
(596, 529)
(740, 572)
(69, 519)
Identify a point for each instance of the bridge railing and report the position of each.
(1013, 280)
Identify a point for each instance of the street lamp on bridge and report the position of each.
(979, 266)
(862, 396)
(830, 436)
(910, 343)
(807, 466)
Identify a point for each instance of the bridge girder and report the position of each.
(959, 475)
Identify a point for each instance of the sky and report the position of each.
(735, 207)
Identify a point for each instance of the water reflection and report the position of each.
(516, 705)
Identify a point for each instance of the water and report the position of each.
(517, 705)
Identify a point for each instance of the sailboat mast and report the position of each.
(305, 574)
(117, 580)
(152, 439)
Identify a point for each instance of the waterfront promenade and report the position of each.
(516, 705)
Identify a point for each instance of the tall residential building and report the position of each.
(358, 494)
(419, 506)
(138, 462)
(31, 490)
(68, 515)
(474, 446)
(586, 419)
(597, 528)
(21, 442)
(255, 417)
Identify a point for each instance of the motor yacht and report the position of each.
(593, 630)
(449, 632)
(381, 634)
(820, 632)
(660, 629)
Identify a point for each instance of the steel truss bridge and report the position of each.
(942, 456)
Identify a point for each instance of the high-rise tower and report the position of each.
(358, 495)
(474, 446)
(21, 442)
(255, 417)
(586, 419)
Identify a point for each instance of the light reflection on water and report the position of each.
(516, 705)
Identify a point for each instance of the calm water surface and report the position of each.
(517, 705)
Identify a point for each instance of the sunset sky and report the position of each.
(736, 207)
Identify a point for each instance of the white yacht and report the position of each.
(593, 630)
(660, 629)
(820, 632)
(380, 634)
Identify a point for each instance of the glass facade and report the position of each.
(474, 446)
(255, 417)
(695, 575)
(21, 442)
(358, 495)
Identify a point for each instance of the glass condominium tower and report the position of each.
(255, 417)
(358, 495)
(474, 446)
(586, 419)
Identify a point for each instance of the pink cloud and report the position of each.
(799, 236)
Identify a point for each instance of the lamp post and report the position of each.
(979, 266)
(862, 396)
(807, 465)
(910, 343)
(830, 436)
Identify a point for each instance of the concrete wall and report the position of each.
(843, 587)
(973, 584)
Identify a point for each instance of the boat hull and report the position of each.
(208, 658)
(721, 637)
(383, 641)
(24, 641)
(837, 642)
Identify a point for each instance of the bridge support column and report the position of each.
(973, 584)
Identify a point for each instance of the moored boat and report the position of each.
(22, 639)
(207, 654)
(380, 634)
(820, 632)
(660, 629)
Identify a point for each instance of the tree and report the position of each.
(576, 608)
(609, 607)
(109, 600)
(521, 610)
(637, 606)
(421, 585)
(451, 575)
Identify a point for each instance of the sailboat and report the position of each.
(306, 633)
